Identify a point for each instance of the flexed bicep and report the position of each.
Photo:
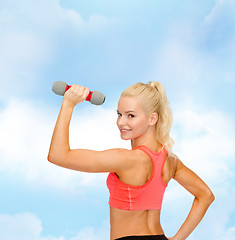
(84, 160)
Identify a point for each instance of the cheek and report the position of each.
(140, 125)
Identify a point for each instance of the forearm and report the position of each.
(60, 138)
(198, 210)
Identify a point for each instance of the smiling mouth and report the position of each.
(125, 130)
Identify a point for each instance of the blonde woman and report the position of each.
(138, 177)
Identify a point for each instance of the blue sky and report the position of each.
(107, 46)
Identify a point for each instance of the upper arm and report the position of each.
(84, 160)
(191, 181)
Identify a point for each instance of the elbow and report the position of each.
(211, 198)
(57, 158)
(50, 158)
(207, 197)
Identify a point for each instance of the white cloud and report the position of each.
(22, 54)
(48, 14)
(177, 63)
(31, 37)
(205, 142)
(26, 226)
(206, 139)
(26, 129)
(92, 233)
(47, 19)
(217, 32)
(222, 8)
(229, 234)
(198, 53)
(23, 226)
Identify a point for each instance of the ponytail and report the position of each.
(155, 100)
(165, 118)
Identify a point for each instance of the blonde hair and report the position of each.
(154, 100)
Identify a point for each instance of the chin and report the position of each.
(125, 138)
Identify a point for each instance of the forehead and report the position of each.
(130, 103)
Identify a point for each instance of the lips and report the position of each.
(125, 130)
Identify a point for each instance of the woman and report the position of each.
(138, 177)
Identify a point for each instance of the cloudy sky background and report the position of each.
(107, 46)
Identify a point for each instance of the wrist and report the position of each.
(67, 104)
(176, 237)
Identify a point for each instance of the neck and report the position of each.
(149, 141)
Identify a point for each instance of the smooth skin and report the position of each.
(133, 167)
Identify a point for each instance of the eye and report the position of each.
(119, 114)
(131, 116)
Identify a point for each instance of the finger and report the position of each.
(72, 89)
(73, 86)
(77, 89)
(86, 92)
(80, 90)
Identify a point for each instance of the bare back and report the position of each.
(144, 222)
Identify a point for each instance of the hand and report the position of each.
(172, 238)
(75, 95)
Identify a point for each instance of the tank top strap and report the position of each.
(144, 149)
(143, 197)
(159, 156)
(149, 151)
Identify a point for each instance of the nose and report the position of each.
(120, 121)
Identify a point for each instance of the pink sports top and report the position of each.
(147, 196)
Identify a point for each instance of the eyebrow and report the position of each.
(128, 111)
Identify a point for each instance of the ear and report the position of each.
(153, 119)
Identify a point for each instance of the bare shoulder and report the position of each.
(140, 156)
(134, 159)
(139, 168)
(123, 153)
(84, 160)
(170, 166)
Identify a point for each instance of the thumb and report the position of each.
(86, 92)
